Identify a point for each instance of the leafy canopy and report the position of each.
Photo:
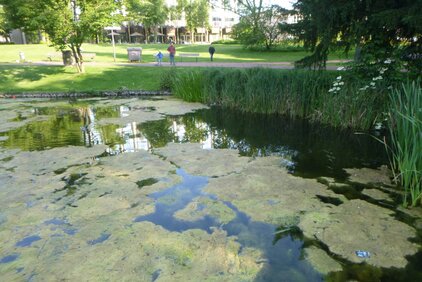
(68, 23)
(379, 28)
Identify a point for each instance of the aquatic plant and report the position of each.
(146, 182)
(406, 139)
(297, 93)
(188, 86)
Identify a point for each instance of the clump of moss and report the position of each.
(146, 182)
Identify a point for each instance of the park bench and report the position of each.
(191, 55)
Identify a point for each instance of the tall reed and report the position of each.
(188, 86)
(406, 135)
(297, 93)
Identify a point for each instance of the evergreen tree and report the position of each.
(380, 29)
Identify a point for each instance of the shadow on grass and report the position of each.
(18, 79)
(13, 74)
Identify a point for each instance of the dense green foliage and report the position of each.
(258, 25)
(151, 14)
(380, 29)
(4, 24)
(305, 94)
(67, 23)
(196, 12)
(406, 136)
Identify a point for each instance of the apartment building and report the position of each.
(221, 20)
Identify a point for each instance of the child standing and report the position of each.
(159, 57)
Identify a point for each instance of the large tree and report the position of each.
(151, 13)
(379, 28)
(68, 23)
(196, 13)
(259, 26)
(4, 24)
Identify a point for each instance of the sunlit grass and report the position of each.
(65, 79)
(104, 53)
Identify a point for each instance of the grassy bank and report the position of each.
(64, 79)
(304, 94)
(104, 53)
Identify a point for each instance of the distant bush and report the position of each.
(166, 81)
(226, 41)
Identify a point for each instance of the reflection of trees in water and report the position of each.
(313, 149)
(309, 149)
(106, 112)
(109, 136)
(195, 132)
(158, 133)
(66, 125)
(62, 128)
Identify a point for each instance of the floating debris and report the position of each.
(363, 254)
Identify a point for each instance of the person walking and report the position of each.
(172, 52)
(211, 50)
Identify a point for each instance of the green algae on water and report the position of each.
(146, 182)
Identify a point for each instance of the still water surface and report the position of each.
(308, 150)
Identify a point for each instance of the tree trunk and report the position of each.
(146, 35)
(77, 56)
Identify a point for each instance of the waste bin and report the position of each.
(21, 57)
(67, 57)
(134, 54)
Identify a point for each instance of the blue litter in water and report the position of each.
(363, 254)
(9, 258)
(25, 242)
(100, 239)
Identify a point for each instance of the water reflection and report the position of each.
(282, 252)
(308, 150)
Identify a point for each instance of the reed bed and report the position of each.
(298, 93)
(406, 140)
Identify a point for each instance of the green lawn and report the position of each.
(104, 53)
(26, 78)
(16, 79)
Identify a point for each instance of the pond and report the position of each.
(162, 190)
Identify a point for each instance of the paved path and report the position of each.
(276, 65)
